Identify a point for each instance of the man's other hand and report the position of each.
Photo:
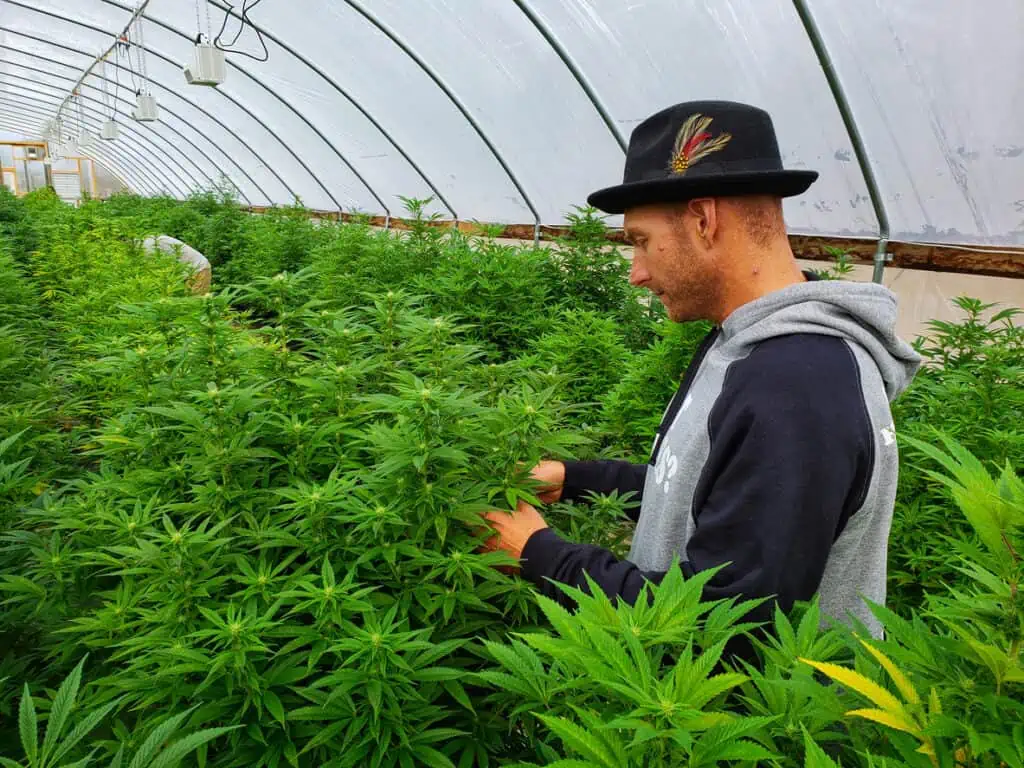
(551, 474)
(514, 529)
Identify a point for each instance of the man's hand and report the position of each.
(552, 475)
(514, 529)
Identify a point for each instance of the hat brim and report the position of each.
(785, 183)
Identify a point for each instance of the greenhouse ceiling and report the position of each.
(513, 111)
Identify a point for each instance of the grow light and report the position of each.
(146, 110)
(208, 66)
(109, 131)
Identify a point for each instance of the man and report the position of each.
(777, 454)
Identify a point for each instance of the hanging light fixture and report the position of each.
(146, 109)
(109, 130)
(85, 137)
(208, 66)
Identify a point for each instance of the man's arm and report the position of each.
(790, 460)
(604, 477)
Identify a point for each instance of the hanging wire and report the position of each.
(117, 73)
(199, 24)
(81, 118)
(247, 5)
(127, 52)
(139, 49)
(106, 89)
(209, 23)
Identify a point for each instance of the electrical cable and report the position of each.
(105, 73)
(128, 58)
(139, 46)
(199, 24)
(81, 119)
(117, 76)
(247, 5)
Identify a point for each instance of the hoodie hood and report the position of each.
(862, 313)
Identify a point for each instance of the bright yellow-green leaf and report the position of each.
(901, 681)
(862, 685)
(934, 705)
(891, 719)
(708, 720)
(1014, 675)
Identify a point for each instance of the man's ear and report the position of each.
(705, 218)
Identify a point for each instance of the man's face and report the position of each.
(668, 262)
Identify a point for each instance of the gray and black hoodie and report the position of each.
(777, 455)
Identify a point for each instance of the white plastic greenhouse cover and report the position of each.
(514, 110)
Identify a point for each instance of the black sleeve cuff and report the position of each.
(539, 554)
(580, 478)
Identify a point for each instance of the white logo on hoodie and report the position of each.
(889, 435)
(666, 468)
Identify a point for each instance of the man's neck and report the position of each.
(760, 273)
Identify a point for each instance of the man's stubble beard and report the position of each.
(697, 292)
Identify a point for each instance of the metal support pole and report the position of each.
(863, 160)
(330, 80)
(577, 73)
(117, 37)
(156, 54)
(163, 106)
(102, 114)
(455, 100)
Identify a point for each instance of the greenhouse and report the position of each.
(471, 383)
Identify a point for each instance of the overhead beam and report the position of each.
(174, 94)
(42, 110)
(157, 54)
(97, 117)
(115, 98)
(13, 122)
(136, 13)
(455, 100)
(330, 145)
(562, 52)
(348, 97)
(103, 115)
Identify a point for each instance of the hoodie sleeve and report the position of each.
(790, 461)
(604, 477)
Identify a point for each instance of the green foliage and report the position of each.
(972, 363)
(593, 274)
(257, 513)
(587, 349)
(276, 523)
(16, 225)
(842, 265)
(633, 408)
(654, 683)
(165, 746)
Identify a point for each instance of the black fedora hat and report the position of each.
(702, 149)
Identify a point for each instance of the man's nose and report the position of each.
(638, 274)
